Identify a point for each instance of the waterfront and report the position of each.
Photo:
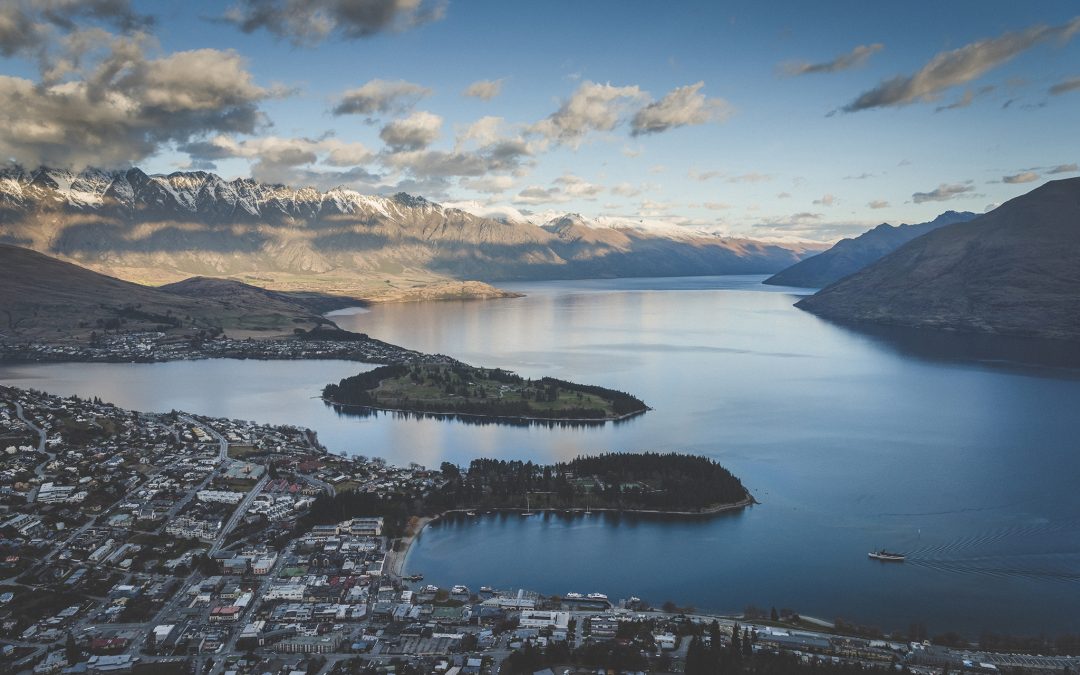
(850, 441)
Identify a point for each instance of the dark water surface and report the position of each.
(851, 440)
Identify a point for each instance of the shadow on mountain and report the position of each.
(1050, 357)
(86, 237)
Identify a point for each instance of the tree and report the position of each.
(71, 649)
(774, 615)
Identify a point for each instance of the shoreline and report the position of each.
(508, 418)
(394, 563)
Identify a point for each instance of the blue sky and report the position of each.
(729, 136)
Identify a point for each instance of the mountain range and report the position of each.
(164, 228)
(49, 299)
(848, 256)
(1012, 271)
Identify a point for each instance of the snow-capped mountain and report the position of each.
(160, 228)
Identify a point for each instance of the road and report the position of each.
(39, 470)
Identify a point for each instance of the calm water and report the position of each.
(851, 441)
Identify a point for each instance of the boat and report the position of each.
(414, 577)
(528, 509)
(597, 596)
(459, 590)
(487, 589)
(470, 513)
(574, 596)
(886, 556)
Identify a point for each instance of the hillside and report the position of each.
(1011, 271)
(161, 229)
(46, 298)
(848, 256)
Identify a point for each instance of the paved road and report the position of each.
(39, 470)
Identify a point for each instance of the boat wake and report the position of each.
(1036, 551)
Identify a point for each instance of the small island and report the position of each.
(461, 390)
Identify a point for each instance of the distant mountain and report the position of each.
(43, 297)
(848, 256)
(164, 228)
(1014, 270)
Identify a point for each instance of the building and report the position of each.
(220, 496)
(264, 564)
(50, 493)
(105, 665)
(311, 644)
(537, 619)
(363, 527)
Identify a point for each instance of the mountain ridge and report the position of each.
(852, 254)
(165, 228)
(1011, 271)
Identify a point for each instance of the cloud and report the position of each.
(592, 107)
(878, 204)
(275, 159)
(309, 22)
(536, 194)
(124, 107)
(626, 190)
(752, 177)
(415, 132)
(943, 193)
(951, 68)
(380, 97)
(856, 57)
(505, 155)
(484, 89)
(489, 184)
(26, 25)
(682, 106)
(1064, 168)
(1065, 86)
(827, 200)
(1024, 177)
(967, 99)
(783, 195)
(862, 176)
(575, 186)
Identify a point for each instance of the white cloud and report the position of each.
(683, 106)
(592, 107)
(943, 192)
(878, 204)
(380, 97)
(826, 200)
(1065, 86)
(483, 89)
(124, 107)
(856, 57)
(1023, 177)
(951, 68)
(415, 132)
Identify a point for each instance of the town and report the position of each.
(155, 346)
(174, 543)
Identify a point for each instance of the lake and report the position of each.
(944, 447)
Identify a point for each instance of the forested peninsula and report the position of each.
(670, 483)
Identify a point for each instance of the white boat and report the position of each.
(597, 596)
(886, 556)
(574, 596)
(459, 590)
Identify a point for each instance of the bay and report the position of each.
(955, 453)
